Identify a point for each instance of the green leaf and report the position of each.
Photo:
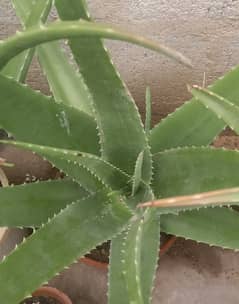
(192, 124)
(18, 67)
(58, 70)
(23, 8)
(110, 97)
(137, 173)
(59, 30)
(132, 264)
(92, 172)
(117, 289)
(214, 226)
(34, 36)
(147, 110)
(223, 108)
(71, 234)
(30, 205)
(54, 125)
(194, 170)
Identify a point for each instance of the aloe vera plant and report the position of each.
(115, 168)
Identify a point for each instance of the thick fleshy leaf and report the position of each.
(133, 260)
(18, 67)
(137, 173)
(33, 117)
(192, 124)
(110, 96)
(58, 70)
(193, 170)
(31, 205)
(23, 7)
(214, 226)
(71, 234)
(34, 36)
(92, 172)
(222, 107)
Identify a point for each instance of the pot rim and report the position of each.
(52, 292)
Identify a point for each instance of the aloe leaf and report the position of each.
(59, 30)
(193, 170)
(23, 8)
(192, 124)
(71, 234)
(199, 200)
(132, 264)
(214, 226)
(30, 205)
(58, 70)
(14, 45)
(110, 95)
(55, 124)
(90, 171)
(147, 110)
(137, 173)
(18, 67)
(223, 108)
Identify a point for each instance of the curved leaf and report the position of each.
(34, 36)
(18, 67)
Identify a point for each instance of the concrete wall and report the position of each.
(207, 31)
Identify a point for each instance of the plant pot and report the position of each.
(47, 295)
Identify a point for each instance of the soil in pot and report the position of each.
(100, 253)
(40, 300)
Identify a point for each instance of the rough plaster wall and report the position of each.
(207, 31)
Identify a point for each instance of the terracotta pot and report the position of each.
(51, 292)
